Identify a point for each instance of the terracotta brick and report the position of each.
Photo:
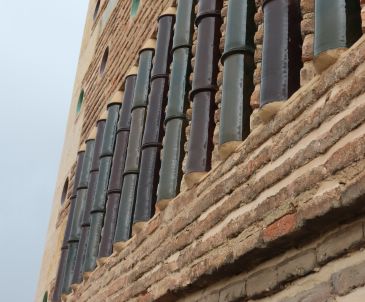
(282, 227)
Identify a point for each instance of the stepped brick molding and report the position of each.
(293, 178)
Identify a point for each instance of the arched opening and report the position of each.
(104, 61)
(80, 101)
(134, 8)
(64, 191)
(45, 297)
(96, 11)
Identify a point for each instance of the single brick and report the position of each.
(319, 293)
(339, 243)
(214, 297)
(307, 50)
(307, 6)
(348, 279)
(261, 282)
(281, 227)
(307, 73)
(232, 292)
(299, 265)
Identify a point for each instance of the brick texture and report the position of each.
(287, 177)
(286, 207)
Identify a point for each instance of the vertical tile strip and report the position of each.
(64, 250)
(132, 164)
(154, 132)
(85, 222)
(237, 75)
(116, 175)
(281, 61)
(79, 202)
(204, 89)
(98, 207)
(337, 27)
(175, 120)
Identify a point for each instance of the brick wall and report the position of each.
(279, 214)
(323, 269)
(271, 214)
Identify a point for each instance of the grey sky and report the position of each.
(39, 48)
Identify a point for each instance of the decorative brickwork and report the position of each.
(302, 174)
(280, 219)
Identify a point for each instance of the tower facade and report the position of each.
(214, 151)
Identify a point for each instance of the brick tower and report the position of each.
(214, 151)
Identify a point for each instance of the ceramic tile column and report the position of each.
(116, 176)
(281, 55)
(80, 203)
(204, 88)
(98, 207)
(98, 133)
(337, 27)
(237, 76)
(154, 132)
(178, 102)
(65, 246)
(132, 164)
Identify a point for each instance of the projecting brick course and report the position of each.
(287, 175)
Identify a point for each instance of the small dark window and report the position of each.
(64, 191)
(96, 11)
(45, 297)
(80, 101)
(134, 8)
(104, 61)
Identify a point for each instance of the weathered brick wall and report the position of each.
(301, 171)
(124, 37)
(330, 266)
(273, 212)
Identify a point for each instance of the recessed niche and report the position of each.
(80, 101)
(104, 61)
(134, 8)
(96, 11)
(64, 191)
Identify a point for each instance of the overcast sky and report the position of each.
(39, 48)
